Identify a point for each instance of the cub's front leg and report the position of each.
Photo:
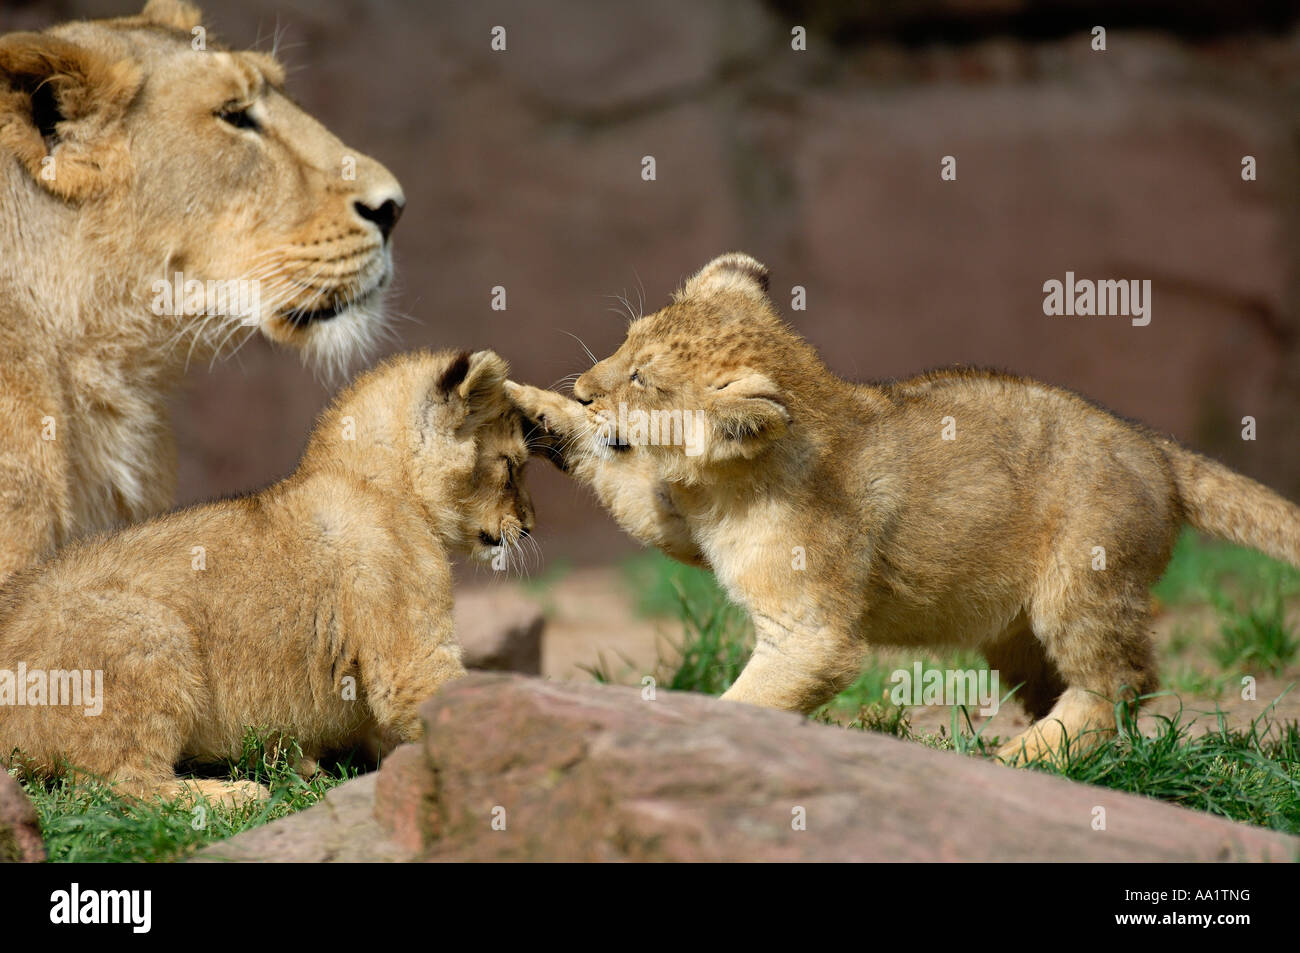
(567, 429)
(799, 663)
(407, 650)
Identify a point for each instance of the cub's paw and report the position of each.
(224, 793)
(549, 410)
(551, 417)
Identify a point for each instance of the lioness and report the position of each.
(958, 507)
(163, 199)
(318, 608)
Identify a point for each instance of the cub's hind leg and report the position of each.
(225, 793)
(143, 691)
(145, 784)
(1100, 645)
(1020, 659)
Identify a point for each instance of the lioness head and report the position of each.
(713, 378)
(437, 428)
(171, 185)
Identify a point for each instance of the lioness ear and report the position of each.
(61, 107)
(748, 412)
(735, 271)
(173, 13)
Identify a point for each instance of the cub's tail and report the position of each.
(1233, 507)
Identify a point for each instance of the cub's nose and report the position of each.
(383, 211)
(583, 392)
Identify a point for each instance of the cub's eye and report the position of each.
(637, 378)
(238, 116)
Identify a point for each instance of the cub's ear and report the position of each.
(475, 382)
(748, 413)
(173, 13)
(61, 109)
(735, 271)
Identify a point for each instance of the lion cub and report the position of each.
(320, 607)
(957, 507)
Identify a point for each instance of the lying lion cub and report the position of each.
(319, 607)
(958, 507)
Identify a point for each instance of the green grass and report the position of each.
(87, 823)
(659, 584)
(1189, 680)
(716, 641)
(1202, 568)
(1249, 774)
(1253, 638)
(717, 636)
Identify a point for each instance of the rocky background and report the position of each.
(523, 169)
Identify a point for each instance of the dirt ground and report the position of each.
(591, 617)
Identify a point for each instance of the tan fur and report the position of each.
(117, 172)
(340, 572)
(986, 540)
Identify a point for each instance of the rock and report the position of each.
(500, 630)
(20, 831)
(341, 829)
(520, 769)
(406, 799)
(590, 772)
(601, 71)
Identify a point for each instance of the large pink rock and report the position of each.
(588, 772)
(515, 768)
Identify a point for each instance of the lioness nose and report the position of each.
(582, 391)
(384, 214)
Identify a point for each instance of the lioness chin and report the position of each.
(319, 608)
(163, 200)
(959, 507)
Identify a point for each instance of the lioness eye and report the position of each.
(239, 117)
(636, 378)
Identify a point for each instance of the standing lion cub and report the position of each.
(320, 607)
(958, 507)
